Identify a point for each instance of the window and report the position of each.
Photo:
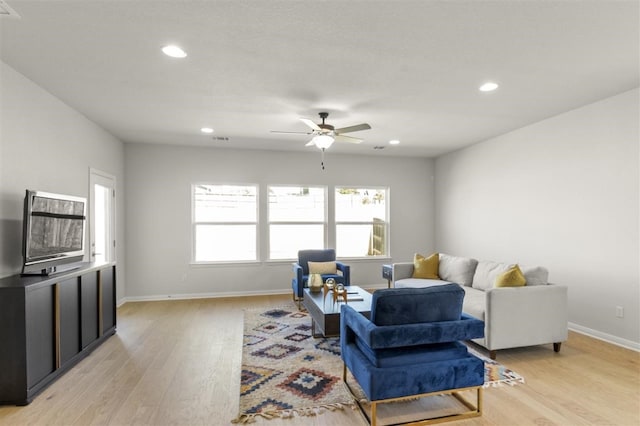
(225, 222)
(296, 220)
(362, 227)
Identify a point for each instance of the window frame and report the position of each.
(194, 224)
(324, 223)
(387, 221)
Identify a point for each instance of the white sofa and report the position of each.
(534, 314)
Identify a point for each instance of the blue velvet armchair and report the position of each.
(301, 270)
(411, 347)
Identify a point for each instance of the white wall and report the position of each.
(158, 213)
(45, 145)
(561, 193)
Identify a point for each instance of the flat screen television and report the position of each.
(53, 231)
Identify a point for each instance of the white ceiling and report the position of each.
(410, 69)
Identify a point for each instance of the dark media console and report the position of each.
(49, 323)
(52, 270)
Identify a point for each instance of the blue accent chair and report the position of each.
(301, 270)
(411, 347)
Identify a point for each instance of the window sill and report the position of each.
(364, 259)
(278, 262)
(224, 264)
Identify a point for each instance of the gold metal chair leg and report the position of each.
(474, 410)
(374, 414)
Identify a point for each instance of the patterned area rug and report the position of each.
(287, 372)
(496, 374)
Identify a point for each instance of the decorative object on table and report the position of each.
(315, 282)
(339, 292)
(329, 285)
(278, 346)
(320, 260)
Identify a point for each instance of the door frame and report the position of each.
(107, 180)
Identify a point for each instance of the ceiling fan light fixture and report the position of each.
(323, 141)
(174, 51)
(489, 86)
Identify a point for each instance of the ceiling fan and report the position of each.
(325, 134)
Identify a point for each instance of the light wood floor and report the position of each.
(178, 363)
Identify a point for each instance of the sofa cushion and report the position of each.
(457, 269)
(393, 306)
(415, 379)
(513, 277)
(418, 283)
(487, 272)
(425, 267)
(398, 357)
(474, 302)
(535, 275)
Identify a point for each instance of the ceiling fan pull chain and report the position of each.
(322, 160)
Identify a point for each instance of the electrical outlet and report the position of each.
(619, 312)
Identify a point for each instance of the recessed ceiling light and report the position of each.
(174, 51)
(488, 87)
(394, 142)
(206, 130)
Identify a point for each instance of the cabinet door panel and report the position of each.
(69, 319)
(108, 299)
(40, 323)
(89, 308)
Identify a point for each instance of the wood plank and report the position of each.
(178, 362)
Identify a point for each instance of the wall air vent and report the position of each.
(7, 11)
(220, 138)
(378, 147)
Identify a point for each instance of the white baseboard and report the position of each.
(609, 338)
(187, 296)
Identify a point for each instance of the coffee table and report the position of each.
(325, 313)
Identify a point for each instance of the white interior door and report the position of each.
(102, 200)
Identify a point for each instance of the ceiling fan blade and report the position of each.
(298, 133)
(356, 128)
(350, 139)
(310, 123)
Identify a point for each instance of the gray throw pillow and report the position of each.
(535, 275)
(457, 269)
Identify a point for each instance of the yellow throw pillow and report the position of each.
(426, 267)
(322, 267)
(512, 277)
